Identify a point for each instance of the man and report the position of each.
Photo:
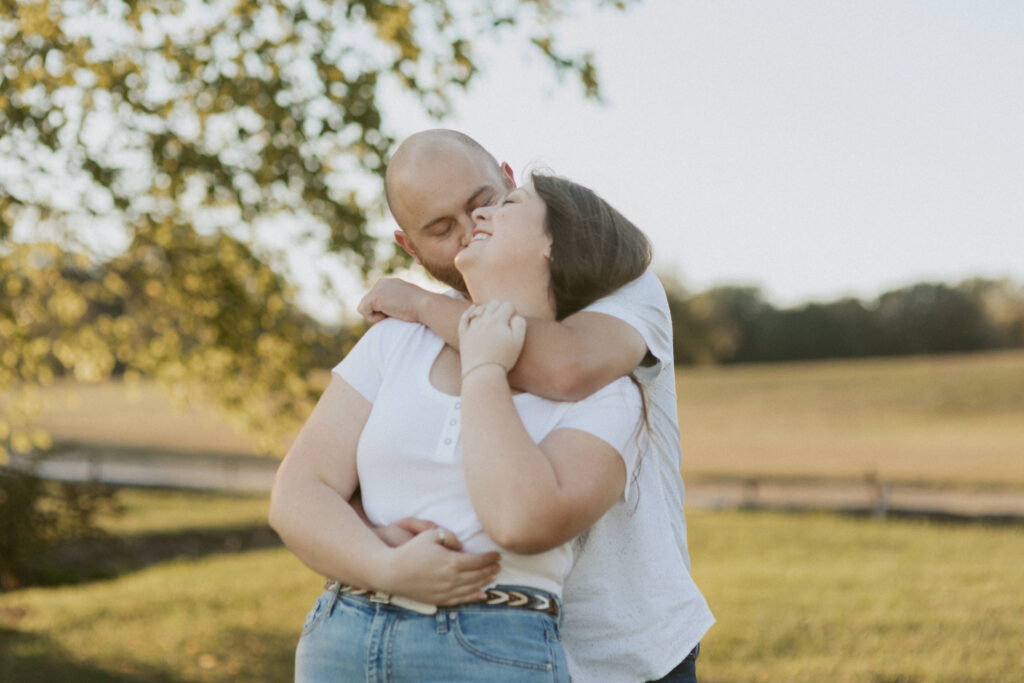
(632, 612)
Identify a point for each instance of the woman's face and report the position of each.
(509, 237)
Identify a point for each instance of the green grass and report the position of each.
(828, 598)
(797, 598)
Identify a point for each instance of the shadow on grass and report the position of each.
(110, 556)
(31, 658)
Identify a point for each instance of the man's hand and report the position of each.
(393, 298)
(405, 529)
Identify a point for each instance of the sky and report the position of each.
(815, 149)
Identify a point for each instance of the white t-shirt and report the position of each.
(632, 612)
(409, 455)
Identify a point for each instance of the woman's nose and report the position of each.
(482, 213)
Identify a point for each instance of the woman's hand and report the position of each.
(492, 333)
(427, 569)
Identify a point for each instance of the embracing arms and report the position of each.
(310, 510)
(561, 361)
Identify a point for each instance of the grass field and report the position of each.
(937, 420)
(941, 420)
(797, 597)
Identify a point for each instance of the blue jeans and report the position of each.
(349, 638)
(686, 672)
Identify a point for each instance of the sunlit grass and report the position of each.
(797, 598)
(828, 598)
(941, 419)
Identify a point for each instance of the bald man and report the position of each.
(632, 611)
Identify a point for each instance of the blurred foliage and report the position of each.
(736, 324)
(36, 515)
(158, 159)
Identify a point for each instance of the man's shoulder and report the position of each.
(646, 290)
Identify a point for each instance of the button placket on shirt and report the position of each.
(449, 435)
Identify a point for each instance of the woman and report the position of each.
(422, 432)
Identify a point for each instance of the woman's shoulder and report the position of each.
(391, 331)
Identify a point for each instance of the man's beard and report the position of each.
(446, 273)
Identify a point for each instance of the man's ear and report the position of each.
(404, 243)
(506, 172)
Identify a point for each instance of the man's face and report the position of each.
(433, 199)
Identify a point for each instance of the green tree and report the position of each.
(148, 149)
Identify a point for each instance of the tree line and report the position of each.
(731, 324)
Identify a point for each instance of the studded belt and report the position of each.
(518, 597)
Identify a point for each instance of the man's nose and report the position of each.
(467, 224)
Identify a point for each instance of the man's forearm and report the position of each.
(558, 361)
(441, 314)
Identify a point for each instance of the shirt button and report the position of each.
(447, 442)
(458, 405)
(452, 422)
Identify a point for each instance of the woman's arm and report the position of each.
(309, 509)
(529, 497)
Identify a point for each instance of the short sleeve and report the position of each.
(613, 414)
(365, 365)
(643, 305)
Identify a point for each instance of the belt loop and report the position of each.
(442, 620)
(335, 590)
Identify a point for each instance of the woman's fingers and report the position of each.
(504, 311)
(468, 562)
(518, 325)
(478, 578)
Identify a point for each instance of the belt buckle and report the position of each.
(414, 605)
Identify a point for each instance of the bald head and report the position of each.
(434, 182)
(425, 160)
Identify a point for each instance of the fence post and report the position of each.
(882, 492)
(750, 487)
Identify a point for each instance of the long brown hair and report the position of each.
(594, 248)
(594, 251)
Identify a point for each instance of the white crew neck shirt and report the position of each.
(409, 456)
(632, 611)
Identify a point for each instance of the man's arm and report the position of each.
(562, 361)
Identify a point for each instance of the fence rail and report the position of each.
(153, 468)
(254, 474)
